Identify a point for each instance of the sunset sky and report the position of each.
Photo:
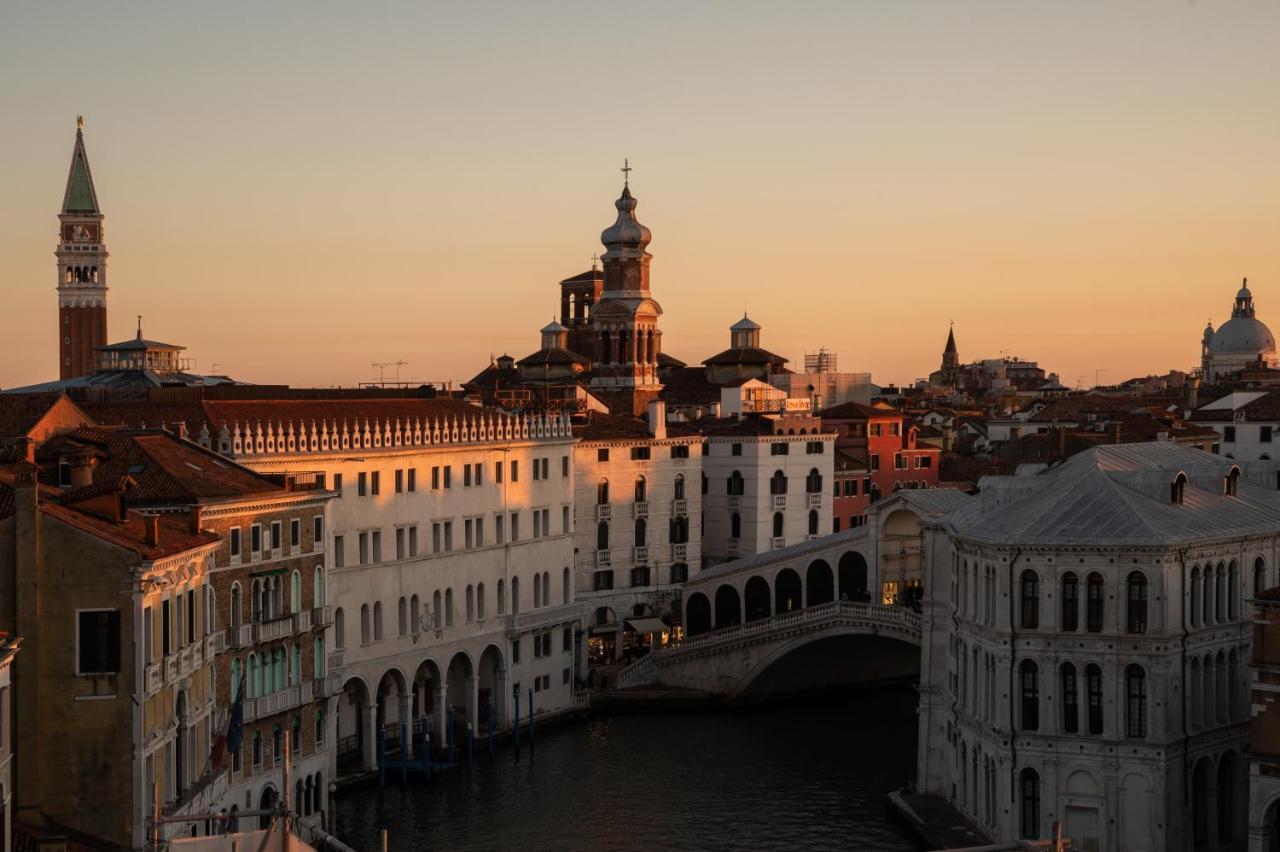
(295, 191)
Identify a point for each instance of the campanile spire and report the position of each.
(82, 268)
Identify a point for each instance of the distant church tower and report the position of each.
(950, 357)
(82, 269)
(625, 319)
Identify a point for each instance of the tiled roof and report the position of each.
(20, 412)
(745, 355)
(689, 386)
(1256, 408)
(606, 427)
(554, 356)
(131, 534)
(858, 411)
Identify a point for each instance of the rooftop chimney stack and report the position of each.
(151, 530)
(658, 419)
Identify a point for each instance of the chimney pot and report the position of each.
(152, 529)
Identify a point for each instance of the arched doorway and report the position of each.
(1200, 803)
(697, 614)
(756, 594)
(853, 577)
(393, 706)
(266, 803)
(820, 583)
(460, 695)
(355, 726)
(786, 591)
(728, 607)
(492, 689)
(427, 692)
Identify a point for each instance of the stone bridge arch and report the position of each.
(875, 656)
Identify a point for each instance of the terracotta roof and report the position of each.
(606, 427)
(689, 386)
(858, 411)
(131, 533)
(589, 275)
(745, 355)
(749, 426)
(666, 361)
(850, 461)
(554, 356)
(20, 412)
(1263, 409)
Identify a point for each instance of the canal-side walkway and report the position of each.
(933, 821)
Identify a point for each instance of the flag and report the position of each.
(228, 742)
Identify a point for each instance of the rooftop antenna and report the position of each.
(382, 366)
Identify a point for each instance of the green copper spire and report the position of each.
(80, 197)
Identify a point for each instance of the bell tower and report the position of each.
(82, 269)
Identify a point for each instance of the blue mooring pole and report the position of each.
(404, 751)
(453, 738)
(382, 757)
(531, 718)
(489, 711)
(517, 725)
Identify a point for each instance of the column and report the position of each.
(369, 723)
(439, 723)
(473, 700)
(501, 696)
(406, 724)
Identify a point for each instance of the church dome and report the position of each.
(626, 231)
(1241, 335)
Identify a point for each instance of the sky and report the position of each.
(295, 191)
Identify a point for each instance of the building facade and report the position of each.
(1264, 729)
(9, 646)
(1084, 643)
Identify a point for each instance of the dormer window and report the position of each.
(1231, 482)
(1177, 488)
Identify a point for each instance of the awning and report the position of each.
(647, 625)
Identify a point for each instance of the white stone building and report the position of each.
(638, 501)
(450, 557)
(1086, 644)
(767, 484)
(1247, 423)
(1241, 342)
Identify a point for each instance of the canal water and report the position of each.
(810, 773)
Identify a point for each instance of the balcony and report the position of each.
(302, 622)
(276, 628)
(779, 502)
(335, 661)
(604, 512)
(323, 687)
(152, 678)
(815, 501)
(679, 507)
(239, 635)
(735, 501)
(277, 702)
(779, 542)
(604, 558)
(540, 618)
(215, 644)
(735, 546)
(322, 616)
(679, 552)
(641, 508)
(640, 554)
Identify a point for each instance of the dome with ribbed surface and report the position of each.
(626, 231)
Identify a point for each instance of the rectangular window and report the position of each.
(448, 476)
(515, 470)
(735, 449)
(376, 483)
(166, 627)
(1228, 433)
(564, 466)
(924, 462)
(362, 484)
(639, 453)
(1264, 434)
(317, 531)
(515, 654)
(546, 522)
(337, 483)
(564, 519)
(448, 535)
(399, 481)
(295, 534)
(899, 461)
(468, 533)
(537, 474)
(566, 642)
(99, 642)
(235, 542)
(779, 448)
(875, 461)
(814, 448)
(435, 538)
(564, 676)
(400, 541)
(603, 580)
(679, 451)
(479, 532)
(276, 535)
(546, 468)
(148, 652)
(498, 531)
(602, 454)
(435, 478)
(497, 471)
(413, 541)
(515, 526)
(339, 552)
(537, 522)
(364, 548)
(255, 539)
(466, 476)
(479, 473)
(413, 479)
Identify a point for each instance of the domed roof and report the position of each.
(1243, 335)
(626, 231)
(553, 327)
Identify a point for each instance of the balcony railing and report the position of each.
(779, 542)
(815, 501)
(679, 552)
(323, 687)
(779, 501)
(171, 668)
(735, 546)
(240, 635)
(640, 554)
(153, 678)
(604, 557)
(735, 501)
(642, 508)
(215, 644)
(321, 616)
(277, 702)
(335, 661)
(679, 507)
(277, 628)
(603, 511)
(302, 621)
(544, 617)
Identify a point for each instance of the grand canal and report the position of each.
(810, 773)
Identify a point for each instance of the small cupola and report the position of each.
(744, 334)
(554, 336)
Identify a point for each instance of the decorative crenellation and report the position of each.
(281, 437)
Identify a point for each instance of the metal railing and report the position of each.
(604, 557)
(642, 508)
(679, 507)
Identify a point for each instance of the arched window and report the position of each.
(1029, 678)
(1030, 600)
(480, 603)
(602, 535)
(252, 685)
(735, 485)
(813, 482)
(448, 607)
(366, 628)
(546, 588)
(515, 595)
(602, 491)
(437, 610)
(471, 604)
(778, 522)
(1195, 596)
(735, 525)
(415, 615)
(642, 529)
(235, 678)
(1070, 699)
(502, 598)
(377, 621)
(1094, 614)
(778, 483)
(1135, 684)
(1231, 484)
(210, 610)
(1233, 591)
(402, 616)
(317, 587)
(642, 490)
(537, 592)
(255, 601)
(1233, 686)
(1093, 693)
(678, 487)
(1259, 575)
(1070, 601)
(813, 523)
(235, 613)
(1029, 781)
(339, 629)
(1208, 595)
(1177, 488)
(295, 592)
(1137, 598)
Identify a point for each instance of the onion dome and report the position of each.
(626, 232)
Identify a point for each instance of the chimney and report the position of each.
(1193, 393)
(28, 449)
(658, 419)
(151, 529)
(182, 430)
(80, 465)
(197, 518)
